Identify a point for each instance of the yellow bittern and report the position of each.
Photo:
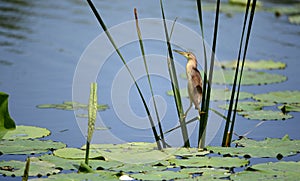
(194, 78)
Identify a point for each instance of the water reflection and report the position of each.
(14, 21)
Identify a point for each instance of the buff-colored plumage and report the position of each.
(194, 80)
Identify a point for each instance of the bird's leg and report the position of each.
(185, 114)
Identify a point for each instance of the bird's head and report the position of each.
(188, 55)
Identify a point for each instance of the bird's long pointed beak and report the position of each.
(181, 53)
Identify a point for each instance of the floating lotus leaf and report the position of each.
(37, 167)
(72, 164)
(228, 8)
(69, 105)
(216, 162)
(294, 19)
(135, 152)
(108, 164)
(290, 108)
(26, 132)
(254, 65)
(279, 97)
(287, 10)
(249, 106)
(60, 163)
(139, 168)
(160, 175)
(207, 173)
(186, 152)
(100, 175)
(270, 171)
(265, 115)
(75, 153)
(270, 147)
(216, 94)
(244, 2)
(249, 77)
(20, 146)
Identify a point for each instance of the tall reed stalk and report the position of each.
(227, 135)
(148, 76)
(205, 104)
(174, 83)
(103, 26)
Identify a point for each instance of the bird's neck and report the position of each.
(191, 65)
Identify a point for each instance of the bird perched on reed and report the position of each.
(194, 78)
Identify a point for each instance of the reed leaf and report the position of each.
(103, 26)
(227, 135)
(204, 118)
(243, 63)
(174, 83)
(148, 76)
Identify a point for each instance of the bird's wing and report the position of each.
(197, 80)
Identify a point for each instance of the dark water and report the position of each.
(42, 41)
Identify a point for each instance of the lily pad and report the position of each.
(243, 2)
(69, 105)
(60, 163)
(100, 175)
(266, 115)
(289, 108)
(249, 106)
(186, 152)
(216, 162)
(160, 175)
(294, 19)
(135, 152)
(287, 10)
(26, 132)
(37, 167)
(270, 147)
(139, 168)
(207, 173)
(270, 171)
(249, 77)
(216, 94)
(75, 153)
(279, 97)
(254, 65)
(20, 146)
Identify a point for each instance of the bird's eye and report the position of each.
(188, 54)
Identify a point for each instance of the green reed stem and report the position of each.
(204, 86)
(243, 63)
(227, 135)
(148, 76)
(204, 118)
(103, 26)
(175, 87)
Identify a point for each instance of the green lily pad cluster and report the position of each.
(254, 65)
(291, 10)
(268, 148)
(141, 160)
